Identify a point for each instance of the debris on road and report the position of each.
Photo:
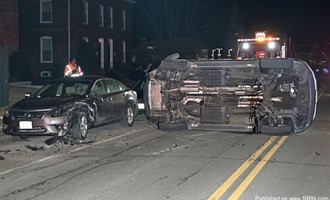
(35, 148)
(5, 151)
(85, 142)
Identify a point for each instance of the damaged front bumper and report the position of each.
(45, 126)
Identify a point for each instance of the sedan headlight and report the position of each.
(7, 112)
(59, 112)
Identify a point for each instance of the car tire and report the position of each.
(128, 116)
(276, 130)
(269, 65)
(20, 137)
(23, 137)
(79, 128)
(172, 127)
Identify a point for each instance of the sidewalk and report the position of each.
(16, 93)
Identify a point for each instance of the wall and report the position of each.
(9, 24)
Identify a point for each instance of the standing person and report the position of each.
(72, 69)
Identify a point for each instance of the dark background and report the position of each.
(303, 21)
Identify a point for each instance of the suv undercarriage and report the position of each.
(269, 96)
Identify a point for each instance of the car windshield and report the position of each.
(63, 89)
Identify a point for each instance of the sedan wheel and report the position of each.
(128, 117)
(80, 127)
(20, 137)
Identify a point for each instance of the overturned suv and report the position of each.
(268, 96)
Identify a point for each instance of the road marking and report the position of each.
(29, 164)
(107, 140)
(74, 150)
(247, 181)
(169, 149)
(224, 187)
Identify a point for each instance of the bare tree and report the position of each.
(179, 18)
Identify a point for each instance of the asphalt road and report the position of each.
(141, 162)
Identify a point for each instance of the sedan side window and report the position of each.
(98, 88)
(112, 86)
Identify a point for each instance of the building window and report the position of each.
(111, 53)
(110, 17)
(45, 11)
(101, 41)
(101, 15)
(85, 12)
(46, 49)
(85, 39)
(123, 13)
(123, 51)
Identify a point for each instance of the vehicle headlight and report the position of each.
(62, 111)
(271, 45)
(246, 46)
(7, 112)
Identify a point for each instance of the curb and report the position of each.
(5, 138)
(26, 84)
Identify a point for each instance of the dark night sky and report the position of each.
(304, 21)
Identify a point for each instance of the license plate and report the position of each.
(141, 106)
(25, 125)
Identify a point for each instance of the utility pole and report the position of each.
(69, 30)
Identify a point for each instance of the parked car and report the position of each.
(72, 105)
(269, 96)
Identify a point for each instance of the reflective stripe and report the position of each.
(67, 70)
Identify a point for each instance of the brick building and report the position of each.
(51, 31)
(9, 23)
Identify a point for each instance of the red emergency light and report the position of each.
(260, 37)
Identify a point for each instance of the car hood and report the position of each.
(44, 103)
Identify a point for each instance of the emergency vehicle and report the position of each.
(261, 47)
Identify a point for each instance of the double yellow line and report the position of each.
(246, 182)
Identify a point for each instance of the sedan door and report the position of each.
(104, 105)
(115, 97)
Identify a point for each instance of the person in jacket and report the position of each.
(72, 69)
